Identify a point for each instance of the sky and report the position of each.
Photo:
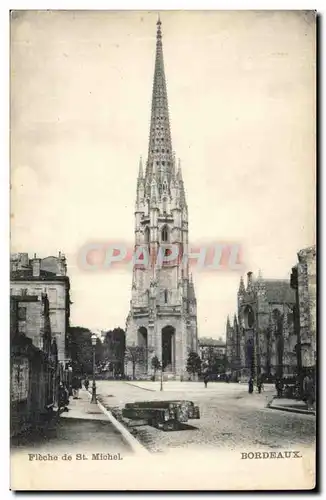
(241, 90)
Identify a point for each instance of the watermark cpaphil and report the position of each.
(110, 255)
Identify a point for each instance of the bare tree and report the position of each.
(137, 355)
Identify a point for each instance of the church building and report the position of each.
(163, 308)
(263, 339)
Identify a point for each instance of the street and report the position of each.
(230, 417)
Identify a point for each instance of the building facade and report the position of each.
(33, 361)
(263, 338)
(208, 346)
(49, 275)
(163, 308)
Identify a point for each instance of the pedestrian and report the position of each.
(206, 378)
(309, 392)
(250, 386)
(279, 387)
(76, 385)
(63, 399)
(86, 383)
(259, 384)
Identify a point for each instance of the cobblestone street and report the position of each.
(230, 417)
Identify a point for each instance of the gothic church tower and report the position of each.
(163, 307)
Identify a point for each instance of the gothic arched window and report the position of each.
(147, 235)
(165, 234)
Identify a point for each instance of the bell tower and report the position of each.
(163, 308)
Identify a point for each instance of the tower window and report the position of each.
(165, 296)
(147, 235)
(165, 235)
(157, 163)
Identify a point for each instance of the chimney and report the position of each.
(61, 265)
(22, 260)
(36, 265)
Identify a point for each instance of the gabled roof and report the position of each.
(279, 291)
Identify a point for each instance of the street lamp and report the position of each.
(94, 339)
(161, 388)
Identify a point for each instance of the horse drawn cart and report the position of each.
(166, 415)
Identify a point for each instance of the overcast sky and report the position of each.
(241, 89)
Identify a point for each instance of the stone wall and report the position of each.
(307, 304)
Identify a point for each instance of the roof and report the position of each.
(208, 341)
(27, 275)
(279, 291)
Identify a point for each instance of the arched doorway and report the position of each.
(168, 348)
(143, 343)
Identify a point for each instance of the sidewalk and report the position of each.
(290, 405)
(84, 428)
(82, 408)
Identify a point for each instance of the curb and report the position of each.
(138, 387)
(291, 410)
(134, 444)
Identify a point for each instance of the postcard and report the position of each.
(163, 331)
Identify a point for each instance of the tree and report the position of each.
(114, 347)
(214, 362)
(136, 355)
(193, 363)
(156, 365)
(80, 349)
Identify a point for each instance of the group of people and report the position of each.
(259, 384)
(66, 391)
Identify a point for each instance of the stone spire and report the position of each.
(140, 171)
(242, 289)
(182, 189)
(260, 286)
(140, 189)
(191, 289)
(160, 154)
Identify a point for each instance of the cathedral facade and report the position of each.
(163, 308)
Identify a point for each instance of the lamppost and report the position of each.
(94, 339)
(161, 388)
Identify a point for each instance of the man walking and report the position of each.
(76, 385)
